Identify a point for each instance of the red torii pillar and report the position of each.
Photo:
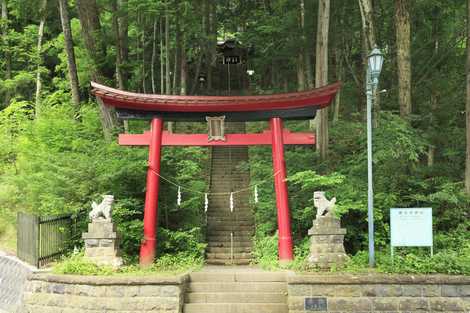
(280, 186)
(147, 248)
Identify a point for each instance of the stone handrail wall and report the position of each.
(92, 294)
(380, 293)
(13, 274)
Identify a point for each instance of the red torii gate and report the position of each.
(275, 108)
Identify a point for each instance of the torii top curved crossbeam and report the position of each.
(296, 105)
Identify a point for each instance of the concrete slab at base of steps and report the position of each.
(236, 297)
(279, 287)
(235, 308)
(237, 276)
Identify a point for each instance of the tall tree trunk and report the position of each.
(368, 28)
(42, 13)
(211, 42)
(167, 61)
(183, 67)
(301, 54)
(154, 55)
(339, 77)
(434, 100)
(144, 81)
(300, 71)
(402, 25)
(162, 56)
(167, 53)
(176, 65)
(70, 52)
(369, 43)
(123, 40)
(308, 70)
(7, 53)
(467, 163)
(91, 30)
(321, 74)
(117, 34)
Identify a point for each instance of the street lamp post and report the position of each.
(375, 61)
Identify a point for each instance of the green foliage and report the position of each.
(189, 242)
(265, 251)
(77, 264)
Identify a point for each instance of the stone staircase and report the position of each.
(236, 291)
(229, 233)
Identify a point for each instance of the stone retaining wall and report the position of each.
(13, 274)
(378, 293)
(47, 293)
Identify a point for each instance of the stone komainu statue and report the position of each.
(324, 206)
(327, 236)
(102, 210)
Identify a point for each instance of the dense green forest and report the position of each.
(58, 149)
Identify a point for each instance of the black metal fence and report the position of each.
(43, 239)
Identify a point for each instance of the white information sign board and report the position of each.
(411, 227)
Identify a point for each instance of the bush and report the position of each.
(189, 243)
(265, 251)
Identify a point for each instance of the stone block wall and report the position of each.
(13, 274)
(379, 293)
(91, 294)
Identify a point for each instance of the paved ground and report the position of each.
(13, 273)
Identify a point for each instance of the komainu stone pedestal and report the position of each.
(101, 243)
(326, 243)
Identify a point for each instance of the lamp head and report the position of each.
(375, 61)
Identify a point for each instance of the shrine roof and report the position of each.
(138, 102)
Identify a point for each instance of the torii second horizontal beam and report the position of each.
(171, 139)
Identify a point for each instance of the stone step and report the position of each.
(241, 213)
(228, 249)
(237, 276)
(279, 287)
(229, 216)
(235, 308)
(226, 244)
(228, 262)
(226, 256)
(227, 238)
(235, 297)
(230, 226)
(236, 232)
(229, 221)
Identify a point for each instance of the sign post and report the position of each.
(411, 227)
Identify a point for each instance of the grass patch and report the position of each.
(167, 264)
(409, 261)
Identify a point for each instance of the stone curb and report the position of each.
(388, 279)
(106, 281)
